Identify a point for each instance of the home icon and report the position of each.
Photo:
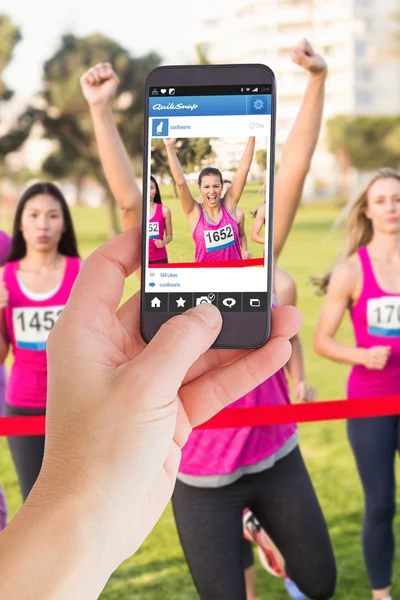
(155, 303)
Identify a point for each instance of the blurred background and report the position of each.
(46, 133)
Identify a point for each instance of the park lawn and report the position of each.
(158, 569)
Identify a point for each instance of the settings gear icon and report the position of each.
(258, 104)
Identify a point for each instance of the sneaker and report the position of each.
(293, 590)
(270, 557)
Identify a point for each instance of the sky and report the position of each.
(171, 27)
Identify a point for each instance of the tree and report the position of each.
(202, 54)
(362, 142)
(67, 119)
(261, 159)
(392, 143)
(338, 143)
(10, 35)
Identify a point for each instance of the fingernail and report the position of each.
(209, 314)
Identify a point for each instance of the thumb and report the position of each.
(178, 344)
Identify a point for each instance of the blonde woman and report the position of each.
(367, 283)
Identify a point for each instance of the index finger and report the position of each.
(103, 273)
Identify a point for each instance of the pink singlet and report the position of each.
(216, 243)
(28, 323)
(5, 247)
(222, 451)
(376, 322)
(156, 232)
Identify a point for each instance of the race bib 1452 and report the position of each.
(217, 239)
(383, 316)
(32, 325)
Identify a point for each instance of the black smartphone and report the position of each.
(208, 197)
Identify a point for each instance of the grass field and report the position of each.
(158, 569)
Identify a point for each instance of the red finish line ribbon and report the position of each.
(251, 417)
(249, 262)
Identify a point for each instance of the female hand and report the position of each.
(119, 411)
(159, 243)
(304, 392)
(169, 142)
(99, 84)
(305, 56)
(376, 357)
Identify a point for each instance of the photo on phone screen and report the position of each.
(208, 205)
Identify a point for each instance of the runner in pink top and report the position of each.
(5, 246)
(277, 488)
(216, 242)
(28, 322)
(213, 222)
(209, 452)
(367, 282)
(160, 226)
(35, 284)
(376, 322)
(222, 472)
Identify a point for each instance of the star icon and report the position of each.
(180, 303)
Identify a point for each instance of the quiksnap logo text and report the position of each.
(173, 106)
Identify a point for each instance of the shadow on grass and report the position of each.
(166, 578)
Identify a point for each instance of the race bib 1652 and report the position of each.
(32, 325)
(217, 239)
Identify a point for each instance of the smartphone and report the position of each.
(208, 171)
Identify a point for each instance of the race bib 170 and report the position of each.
(32, 325)
(217, 239)
(154, 230)
(383, 316)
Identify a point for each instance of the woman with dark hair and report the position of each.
(160, 226)
(213, 221)
(36, 281)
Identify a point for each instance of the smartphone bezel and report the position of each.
(240, 330)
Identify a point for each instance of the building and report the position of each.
(355, 36)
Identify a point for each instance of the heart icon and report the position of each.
(163, 91)
(152, 274)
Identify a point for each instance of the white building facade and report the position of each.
(356, 38)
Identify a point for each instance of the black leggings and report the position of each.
(374, 442)
(26, 450)
(282, 498)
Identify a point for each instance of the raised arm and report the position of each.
(235, 192)
(300, 145)
(189, 204)
(99, 86)
(258, 225)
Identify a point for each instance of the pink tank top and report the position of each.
(28, 323)
(216, 243)
(376, 322)
(156, 232)
(222, 451)
(5, 247)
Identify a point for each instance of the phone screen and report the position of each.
(208, 198)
